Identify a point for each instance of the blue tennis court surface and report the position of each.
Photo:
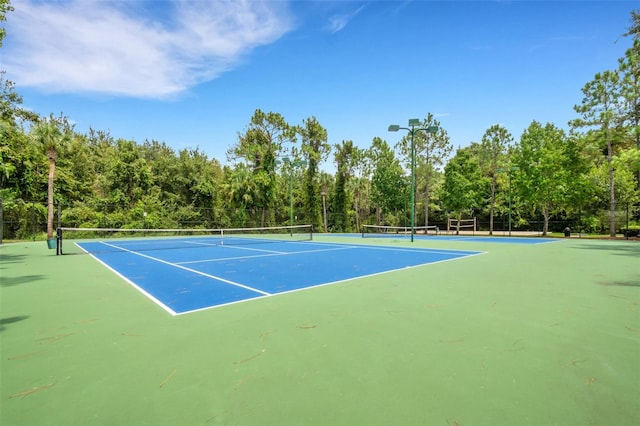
(209, 275)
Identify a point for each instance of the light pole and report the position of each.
(324, 207)
(293, 164)
(509, 171)
(414, 126)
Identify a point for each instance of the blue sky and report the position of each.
(191, 73)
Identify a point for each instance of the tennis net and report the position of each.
(369, 231)
(94, 240)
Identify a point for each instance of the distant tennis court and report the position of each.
(188, 273)
(433, 232)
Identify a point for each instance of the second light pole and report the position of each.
(414, 126)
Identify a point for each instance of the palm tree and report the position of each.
(52, 135)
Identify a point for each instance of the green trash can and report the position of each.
(52, 243)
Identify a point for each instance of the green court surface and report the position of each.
(543, 334)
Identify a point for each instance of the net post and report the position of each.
(58, 241)
(222, 237)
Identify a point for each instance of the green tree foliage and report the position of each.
(326, 182)
(5, 6)
(315, 149)
(259, 146)
(630, 79)
(546, 173)
(52, 136)
(345, 155)
(603, 106)
(239, 189)
(492, 156)
(634, 28)
(389, 185)
(462, 188)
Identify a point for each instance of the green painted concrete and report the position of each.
(523, 335)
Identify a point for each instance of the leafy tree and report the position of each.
(603, 106)
(11, 111)
(128, 175)
(5, 6)
(630, 80)
(345, 156)
(389, 187)
(258, 147)
(75, 172)
(492, 157)
(19, 164)
(431, 152)
(52, 135)
(239, 189)
(326, 182)
(545, 175)
(315, 149)
(200, 177)
(634, 29)
(462, 191)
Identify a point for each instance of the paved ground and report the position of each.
(523, 335)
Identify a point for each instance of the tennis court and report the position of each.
(434, 233)
(414, 334)
(214, 272)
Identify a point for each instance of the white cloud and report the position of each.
(105, 47)
(339, 21)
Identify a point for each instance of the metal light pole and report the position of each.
(324, 207)
(414, 126)
(509, 171)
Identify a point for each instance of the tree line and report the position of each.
(272, 176)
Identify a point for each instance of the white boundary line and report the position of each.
(235, 247)
(458, 254)
(333, 282)
(264, 293)
(136, 286)
(188, 262)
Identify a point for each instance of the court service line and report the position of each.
(224, 259)
(188, 269)
(452, 252)
(237, 247)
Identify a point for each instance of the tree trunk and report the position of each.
(427, 193)
(612, 194)
(493, 202)
(545, 226)
(52, 169)
(324, 209)
(355, 206)
(426, 205)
